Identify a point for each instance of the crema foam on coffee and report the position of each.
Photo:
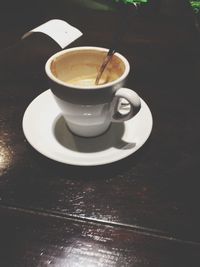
(88, 81)
(80, 69)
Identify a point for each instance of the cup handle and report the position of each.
(132, 98)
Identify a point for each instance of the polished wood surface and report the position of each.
(37, 239)
(140, 211)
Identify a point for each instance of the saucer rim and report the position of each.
(83, 163)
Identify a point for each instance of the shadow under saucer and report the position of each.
(111, 138)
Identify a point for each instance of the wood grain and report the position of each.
(32, 239)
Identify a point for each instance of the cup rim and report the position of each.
(68, 50)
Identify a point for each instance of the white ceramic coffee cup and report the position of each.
(89, 109)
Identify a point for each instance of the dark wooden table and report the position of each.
(140, 211)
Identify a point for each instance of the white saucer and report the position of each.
(45, 130)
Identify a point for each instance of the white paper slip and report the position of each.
(59, 30)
